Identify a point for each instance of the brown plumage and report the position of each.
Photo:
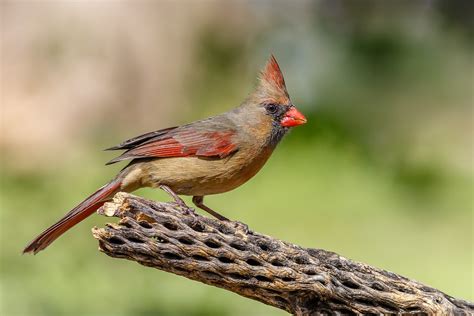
(209, 156)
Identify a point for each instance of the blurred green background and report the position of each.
(382, 173)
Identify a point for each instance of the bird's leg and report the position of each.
(199, 202)
(176, 198)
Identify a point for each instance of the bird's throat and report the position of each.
(276, 134)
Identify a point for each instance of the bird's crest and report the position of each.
(272, 84)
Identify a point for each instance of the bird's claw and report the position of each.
(181, 204)
(187, 210)
(190, 211)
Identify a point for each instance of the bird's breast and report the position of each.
(201, 176)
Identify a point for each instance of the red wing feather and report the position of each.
(183, 143)
(134, 142)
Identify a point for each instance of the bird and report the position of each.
(205, 157)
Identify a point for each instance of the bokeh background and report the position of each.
(382, 173)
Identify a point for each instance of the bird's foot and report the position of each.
(189, 210)
(179, 201)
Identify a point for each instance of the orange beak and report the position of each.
(292, 117)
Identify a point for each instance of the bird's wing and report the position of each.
(179, 142)
(135, 141)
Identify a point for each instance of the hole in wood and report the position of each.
(377, 286)
(345, 311)
(253, 262)
(281, 301)
(271, 291)
(135, 240)
(200, 258)
(405, 290)
(126, 224)
(211, 275)
(365, 302)
(145, 224)
(186, 241)
(264, 246)
(413, 309)
(145, 218)
(116, 241)
(160, 239)
(238, 276)
(387, 306)
(225, 260)
(312, 302)
(212, 244)
(277, 263)
(350, 284)
(197, 226)
(170, 226)
(310, 272)
(263, 278)
(172, 256)
(287, 279)
(238, 246)
(267, 245)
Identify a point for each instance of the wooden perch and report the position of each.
(227, 255)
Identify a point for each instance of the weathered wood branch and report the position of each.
(228, 255)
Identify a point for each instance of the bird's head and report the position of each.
(272, 99)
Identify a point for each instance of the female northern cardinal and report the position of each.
(205, 157)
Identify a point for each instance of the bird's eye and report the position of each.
(271, 108)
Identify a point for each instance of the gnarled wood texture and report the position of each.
(228, 255)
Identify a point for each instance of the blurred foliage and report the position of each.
(382, 173)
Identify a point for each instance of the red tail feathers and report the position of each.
(76, 215)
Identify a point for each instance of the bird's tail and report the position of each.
(76, 215)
